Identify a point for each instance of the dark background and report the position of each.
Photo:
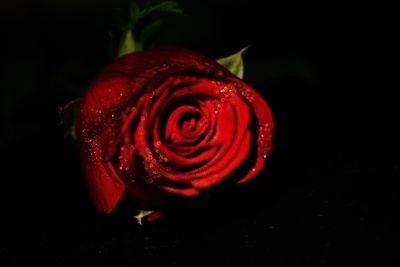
(327, 195)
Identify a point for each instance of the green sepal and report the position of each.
(146, 216)
(67, 116)
(234, 63)
(128, 43)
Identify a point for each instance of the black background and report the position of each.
(327, 195)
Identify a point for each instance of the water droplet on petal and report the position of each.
(264, 142)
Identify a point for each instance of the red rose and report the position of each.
(169, 122)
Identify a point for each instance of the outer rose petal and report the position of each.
(105, 187)
(266, 122)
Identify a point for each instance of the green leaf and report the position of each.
(165, 7)
(67, 116)
(134, 12)
(234, 63)
(135, 33)
(149, 30)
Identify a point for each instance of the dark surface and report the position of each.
(326, 197)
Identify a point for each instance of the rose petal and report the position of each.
(124, 109)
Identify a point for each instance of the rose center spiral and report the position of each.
(188, 121)
(185, 125)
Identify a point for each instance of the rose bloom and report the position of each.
(168, 123)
